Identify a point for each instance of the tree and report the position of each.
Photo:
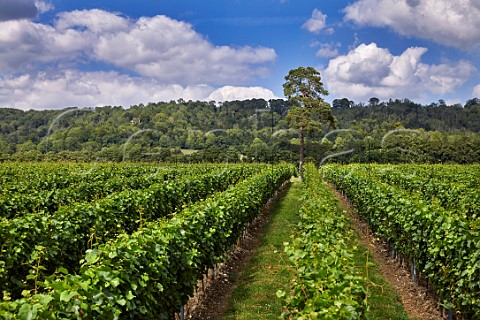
(472, 102)
(304, 89)
(373, 101)
(342, 103)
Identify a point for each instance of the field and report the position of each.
(110, 240)
(114, 241)
(428, 214)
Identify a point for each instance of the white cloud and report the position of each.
(368, 71)
(170, 50)
(229, 93)
(476, 91)
(328, 50)
(444, 78)
(452, 23)
(158, 47)
(43, 6)
(451, 102)
(95, 20)
(91, 89)
(149, 59)
(317, 22)
(24, 44)
(87, 89)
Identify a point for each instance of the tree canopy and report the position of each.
(304, 89)
(179, 131)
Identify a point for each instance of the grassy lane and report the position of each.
(384, 302)
(268, 269)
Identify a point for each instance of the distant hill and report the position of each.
(252, 130)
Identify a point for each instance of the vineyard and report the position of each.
(116, 241)
(429, 215)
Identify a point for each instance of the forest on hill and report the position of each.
(253, 130)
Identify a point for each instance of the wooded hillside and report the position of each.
(251, 130)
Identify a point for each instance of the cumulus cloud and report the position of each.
(148, 59)
(25, 44)
(328, 50)
(168, 50)
(91, 89)
(159, 47)
(95, 21)
(317, 22)
(368, 71)
(43, 6)
(476, 91)
(230, 93)
(452, 23)
(88, 89)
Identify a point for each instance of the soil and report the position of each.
(211, 302)
(417, 300)
(214, 300)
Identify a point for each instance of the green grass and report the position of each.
(384, 302)
(268, 270)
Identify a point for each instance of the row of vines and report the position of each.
(44, 187)
(326, 284)
(132, 241)
(430, 215)
(131, 253)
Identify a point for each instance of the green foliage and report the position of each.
(448, 133)
(151, 273)
(254, 296)
(443, 243)
(44, 187)
(304, 89)
(69, 231)
(384, 300)
(310, 119)
(326, 284)
(304, 86)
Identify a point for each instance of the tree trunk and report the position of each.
(302, 151)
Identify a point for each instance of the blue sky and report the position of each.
(83, 53)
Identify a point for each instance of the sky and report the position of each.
(84, 53)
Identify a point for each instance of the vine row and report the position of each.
(151, 273)
(326, 283)
(62, 237)
(445, 247)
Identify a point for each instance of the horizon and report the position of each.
(362, 104)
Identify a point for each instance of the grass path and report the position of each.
(384, 302)
(268, 270)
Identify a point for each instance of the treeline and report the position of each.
(251, 131)
(433, 117)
